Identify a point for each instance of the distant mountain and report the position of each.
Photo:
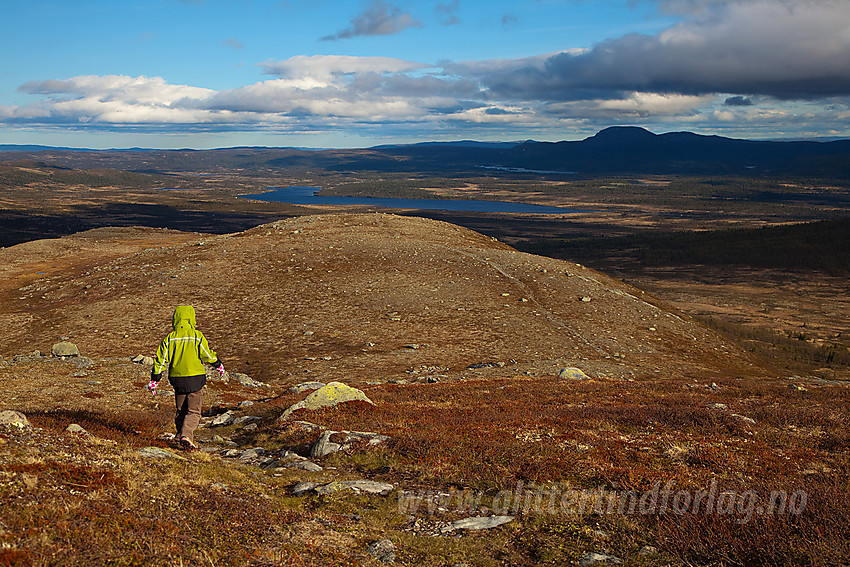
(460, 143)
(618, 150)
(635, 150)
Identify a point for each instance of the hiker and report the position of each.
(184, 350)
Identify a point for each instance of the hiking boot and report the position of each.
(187, 445)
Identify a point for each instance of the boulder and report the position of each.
(305, 465)
(12, 418)
(477, 523)
(383, 550)
(332, 441)
(326, 396)
(65, 349)
(245, 380)
(303, 488)
(572, 374)
(158, 453)
(223, 419)
(76, 428)
(592, 558)
(304, 386)
(369, 486)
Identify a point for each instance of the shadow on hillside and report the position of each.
(22, 227)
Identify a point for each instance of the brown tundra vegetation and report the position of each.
(681, 447)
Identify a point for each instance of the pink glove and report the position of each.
(221, 370)
(152, 386)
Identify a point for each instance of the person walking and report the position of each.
(184, 352)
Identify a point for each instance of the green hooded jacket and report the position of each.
(183, 351)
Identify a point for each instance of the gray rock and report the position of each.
(252, 453)
(572, 374)
(231, 453)
(303, 488)
(243, 419)
(383, 550)
(158, 453)
(245, 380)
(648, 550)
(369, 486)
(592, 558)
(65, 349)
(477, 523)
(345, 440)
(143, 360)
(287, 456)
(326, 396)
(245, 404)
(75, 428)
(304, 465)
(222, 420)
(304, 386)
(12, 418)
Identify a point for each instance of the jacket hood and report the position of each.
(183, 315)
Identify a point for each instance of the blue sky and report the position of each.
(334, 73)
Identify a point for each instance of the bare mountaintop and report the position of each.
(353, 297)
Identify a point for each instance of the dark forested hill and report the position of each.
(616, 150)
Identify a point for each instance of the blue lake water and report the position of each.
(307, 196)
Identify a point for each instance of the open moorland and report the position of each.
(716, 368)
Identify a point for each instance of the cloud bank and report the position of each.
(772, 64)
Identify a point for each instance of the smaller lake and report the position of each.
(307, 196)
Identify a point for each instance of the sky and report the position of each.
(339, 73)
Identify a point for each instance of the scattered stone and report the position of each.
(223, 419)
(480, 365)
(304, 386)
(383, 550)
(329, 395)
(586, 299)
(648, 550)
(305, 426)
(287, 456)
(75, 428)
(217, 439)
(432, 379)
(718, 406)
(231, 453)
(241, 420)
(572, 374)
(245, 404)
(744, 418)
(592, 558)
(369, 486)
(158, 453)
(251, 427)
(333, 441)
(246, 380)
(797, 388)
(304, 465)
(143, 360)
(303, 488)
(714, 386)
(252, 453)
(477, 523)
(65, 349)
(12, 418)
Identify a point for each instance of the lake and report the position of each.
(307, 196)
